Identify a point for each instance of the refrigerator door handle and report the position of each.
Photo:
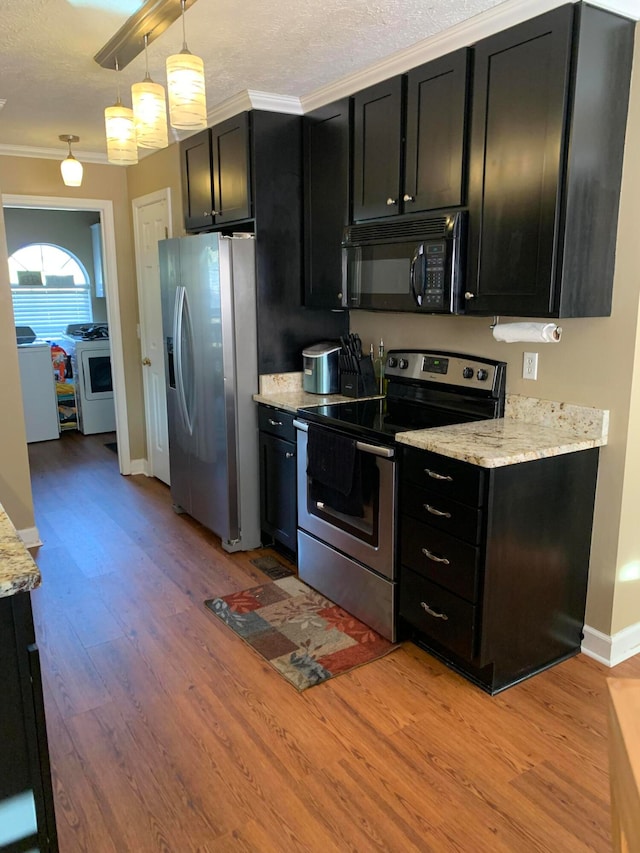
(179, 309)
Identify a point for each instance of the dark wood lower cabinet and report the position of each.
(278, 492)
(504, 598)
(27, 819)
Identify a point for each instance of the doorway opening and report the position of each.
(103, 208)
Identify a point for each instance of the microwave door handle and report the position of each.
(416, 255)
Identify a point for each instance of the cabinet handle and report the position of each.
(289, 455)
(435, 476)
(392, 201)
(215, 213)
(469, 295)
(434, 613)
(435, 511)
(434, 557)
(275, 423)
(407, 197)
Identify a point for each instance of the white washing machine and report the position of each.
(91, 362)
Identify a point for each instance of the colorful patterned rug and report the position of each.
(304, 636)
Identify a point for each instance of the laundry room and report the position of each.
(58, 294)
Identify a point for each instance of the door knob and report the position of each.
(146, 362)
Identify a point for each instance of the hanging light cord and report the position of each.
(147, 76)
(183, 3)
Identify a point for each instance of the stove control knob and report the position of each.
(483, 374)
(467, 373)
(392, 361)
(403, 364)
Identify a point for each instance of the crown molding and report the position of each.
(51, 153)
(252, 99)
(465, 33)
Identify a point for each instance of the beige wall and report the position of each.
(593, 365)
(15, 485)
(157, 171)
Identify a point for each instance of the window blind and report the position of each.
(49, 310)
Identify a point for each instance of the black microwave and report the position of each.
(415, 265)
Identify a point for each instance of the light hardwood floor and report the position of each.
(168, 733)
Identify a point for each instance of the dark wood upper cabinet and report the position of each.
(230, 170)
(549, 113)
(409, 140)
(377, 149)
(436, 124)
(197, 183)
(326, 170)
(216, 177)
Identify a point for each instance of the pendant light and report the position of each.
(121, 133)
(186, 88)
(149, 110)
(70, 168)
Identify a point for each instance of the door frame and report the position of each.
(105, 208)
(163, 194)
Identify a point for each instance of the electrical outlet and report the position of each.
(530, 365)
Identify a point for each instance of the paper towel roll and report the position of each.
(544, 333)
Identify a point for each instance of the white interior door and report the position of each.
(152, 222)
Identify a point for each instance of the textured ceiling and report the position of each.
(52, 84)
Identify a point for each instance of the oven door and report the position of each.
(368, 538)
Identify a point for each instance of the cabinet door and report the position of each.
(326, 202)
(197, 188)
(231, 176)
(278, 507)
(377, 146)
(521, 80)
(436, 131)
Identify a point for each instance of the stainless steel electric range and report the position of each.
(347, 477)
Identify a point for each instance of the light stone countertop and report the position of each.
(18, 572)
(532, 429)
(284, 391)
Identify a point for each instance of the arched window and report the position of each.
(50, 289)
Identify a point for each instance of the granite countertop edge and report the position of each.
(18, 572)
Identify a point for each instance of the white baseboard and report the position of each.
(30, 537)
(611, 650)
(139, 466)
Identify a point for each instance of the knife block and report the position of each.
(360, 383)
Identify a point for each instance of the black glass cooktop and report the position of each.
(381, 419)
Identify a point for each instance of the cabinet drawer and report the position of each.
(460, 481)
(438, 614)
(444, 559)
(277, 422)
(440, 511)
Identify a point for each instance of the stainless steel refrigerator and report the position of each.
(210, 334)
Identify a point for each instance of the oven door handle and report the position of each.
(363, 447)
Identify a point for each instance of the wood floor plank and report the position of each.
(167, 732)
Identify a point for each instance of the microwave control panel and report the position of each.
(435, 254)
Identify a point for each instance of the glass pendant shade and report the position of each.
(150, 114)
(121, 135)
(186, 89)
(71, 170)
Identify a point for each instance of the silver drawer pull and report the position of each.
(275, 423)
(434, 557)
(434, 613)
(435, 511)
(289, 455)
(435, 476)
